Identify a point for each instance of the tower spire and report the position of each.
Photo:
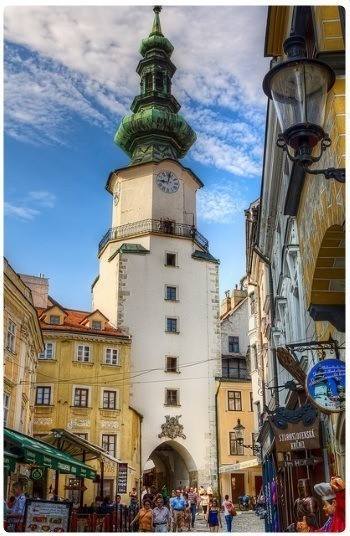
(156, 28)
(155, 131)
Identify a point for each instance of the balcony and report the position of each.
(164, 227)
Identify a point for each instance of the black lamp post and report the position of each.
(298, 88)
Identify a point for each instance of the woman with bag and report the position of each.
(229, 511)
(214, 519)
(144, 517)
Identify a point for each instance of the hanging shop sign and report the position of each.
(296, 436)
(290, 364)
(325, 385)
(122, 477)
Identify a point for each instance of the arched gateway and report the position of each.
(173, 466)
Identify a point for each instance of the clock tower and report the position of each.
(158, 280)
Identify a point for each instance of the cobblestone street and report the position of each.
(243, 522)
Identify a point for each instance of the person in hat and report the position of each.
(333, 497)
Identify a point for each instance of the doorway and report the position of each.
(237, 486)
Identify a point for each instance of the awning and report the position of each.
(33, 451)
(239, 466)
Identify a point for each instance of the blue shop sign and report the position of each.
(325, 385)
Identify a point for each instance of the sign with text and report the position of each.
(46, 516)
(325, 385)
(301, 462)
(297, 436)
(122, 477)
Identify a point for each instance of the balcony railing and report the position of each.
(142, 227)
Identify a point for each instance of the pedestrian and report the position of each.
(178, 506)
(229, 512)
(144, 517)
(186, 520)
(161, 516)
(214, 519)
(149, 496)
(204, 502)
(193, 499)
(16, 512)
(133, 511)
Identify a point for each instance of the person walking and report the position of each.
(186, 520)
(229, 512)
(214, 519)
(193, 499)
(161, 516)
(178, 505)
(144, 518)
(204, 502)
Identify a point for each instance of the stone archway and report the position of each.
(328, 284)
(173, 466)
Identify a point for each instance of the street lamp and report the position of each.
(298, 88)
(239, 430)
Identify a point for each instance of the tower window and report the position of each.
(170, 259)
(172, 397)
(171, 364)
(171, 325)
(96, 324)
(170, 293)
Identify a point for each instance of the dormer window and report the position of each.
(55, 319)
(96, 324)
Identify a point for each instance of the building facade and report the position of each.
(23, 342)
(296, 267)
(83, 387)
(158, 279)
(239, 467)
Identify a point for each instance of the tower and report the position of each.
(158, 280)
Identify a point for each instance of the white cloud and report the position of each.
(219, 204)
(30, 205)
(84, 64)
(21, 212)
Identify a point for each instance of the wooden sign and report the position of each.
(297, 436)
(122, 477)
(291, 365)
(301, 462)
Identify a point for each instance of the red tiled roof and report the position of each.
(72, 322)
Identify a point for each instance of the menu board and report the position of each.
(46, 516)
(122, 477)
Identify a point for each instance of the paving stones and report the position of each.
(242, 522)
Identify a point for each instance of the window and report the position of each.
(233, 345)
(170, 259)
(83, 353)
(6, 407)
(81, 397)
(171, 325)
(234, 368)
(109, 443)
(48, 352)
(251, 401)
(109, 400)
(43, 396)
(234, 401)
(236, 445)
(148, 82)
(11, 336)
(159, 81)
(81, 435)
(111, 356)
(96, 324)
(55, 319)
(171, 364)
(171, 397)
(170, 293)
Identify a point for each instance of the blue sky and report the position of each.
(70, 77)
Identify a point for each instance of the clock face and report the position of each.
(168, 182)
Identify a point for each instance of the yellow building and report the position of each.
(239, 467)
(83, 387)
(22, 343)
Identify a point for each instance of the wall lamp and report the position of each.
(298, 88)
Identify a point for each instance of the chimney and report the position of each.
(237, 296)
(225, 303)
(39, 287)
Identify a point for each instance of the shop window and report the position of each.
(109, 443)
(234, 401)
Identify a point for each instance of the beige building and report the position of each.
(239, 467)
(22, 343)
(82, 387)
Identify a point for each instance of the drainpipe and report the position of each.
(217, 440)
(274, 353)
